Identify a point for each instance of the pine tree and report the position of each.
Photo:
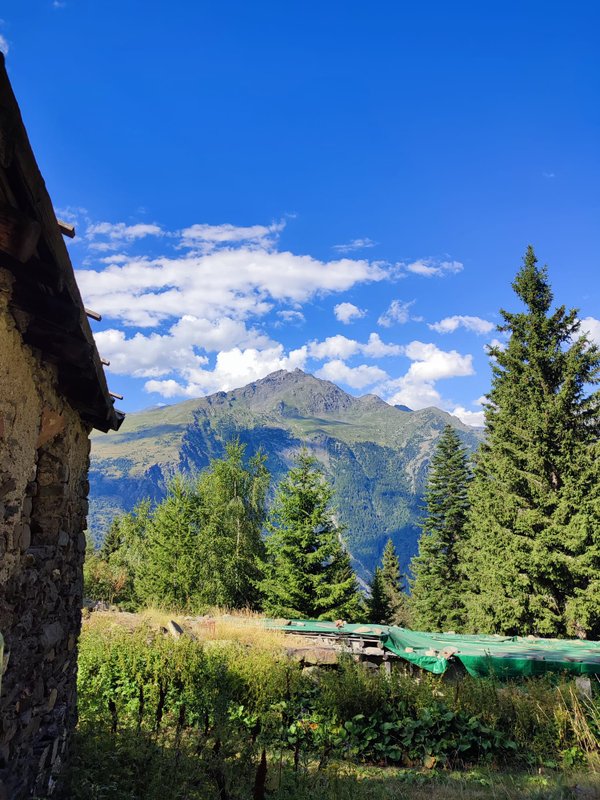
(392, 582)
(307, 573)
(378, 606)
(232, 509)
(532, 555)
(436, 587)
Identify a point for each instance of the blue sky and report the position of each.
(344, 187)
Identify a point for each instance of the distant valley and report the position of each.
(375, 455)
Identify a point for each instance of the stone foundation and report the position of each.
(43, 505)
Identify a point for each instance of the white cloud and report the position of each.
(591, 327)
(348, 312)
(356, 377)
(376, 348)
(157, 354)
(291, 317)
(416, 389)
(476, 418)
(431, 363)
(340, 347)
(115, 234)
(495, 343)
(334, 347)
(397, 313)
(355, 244)
(4, 46)
(431, 267)
(209, 236)
(232, 282)
(233, 368)
(450, 324)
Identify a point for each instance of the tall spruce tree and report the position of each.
(436, 596)
(532, 555)
(307, 572)
(378, 606)
(393, 586)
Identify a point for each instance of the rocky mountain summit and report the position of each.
(375, 454)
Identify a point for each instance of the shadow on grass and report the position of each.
(140, 766)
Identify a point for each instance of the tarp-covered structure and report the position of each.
(481, 655)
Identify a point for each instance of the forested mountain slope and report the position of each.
(376, 455)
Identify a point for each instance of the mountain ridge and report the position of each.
(375, 454)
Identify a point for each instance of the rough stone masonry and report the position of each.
(43, 507)
(52, 392)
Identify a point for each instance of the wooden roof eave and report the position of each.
(45, 287)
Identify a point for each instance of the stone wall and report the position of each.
(43, 505)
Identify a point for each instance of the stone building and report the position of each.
(52, 393)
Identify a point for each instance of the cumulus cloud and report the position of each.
(451, 324)
(177, 350)
(355, 244)
(591, 328)
(233, 282)
(340, 347)
(202, 308)
(397, 314)
(431, 267)
(233, 368)
(348, 312)
(416, 389)
(356, 377)
(4, 46)
(475, 418)
(290, 316)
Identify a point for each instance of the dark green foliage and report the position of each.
(436, 590)
(392, 583)
(378, 605)
(533, 552)
(307, 572)
(171, 574)
(388, 602)
(231, 508)
(199, 547)
(109, 573)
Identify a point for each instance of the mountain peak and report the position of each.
(295, 390)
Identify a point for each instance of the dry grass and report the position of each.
(243, 627)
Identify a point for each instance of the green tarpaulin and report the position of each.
(502, 656)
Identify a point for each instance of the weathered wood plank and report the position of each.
(66, 229)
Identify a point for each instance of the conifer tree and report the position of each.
(170, 576)
(532, 555)
(392, 582)
(436, 587)
(232, 512)
(307, 572)
(378, 605)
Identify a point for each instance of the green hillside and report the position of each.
(376, 455)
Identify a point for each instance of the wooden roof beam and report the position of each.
(66, 229)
